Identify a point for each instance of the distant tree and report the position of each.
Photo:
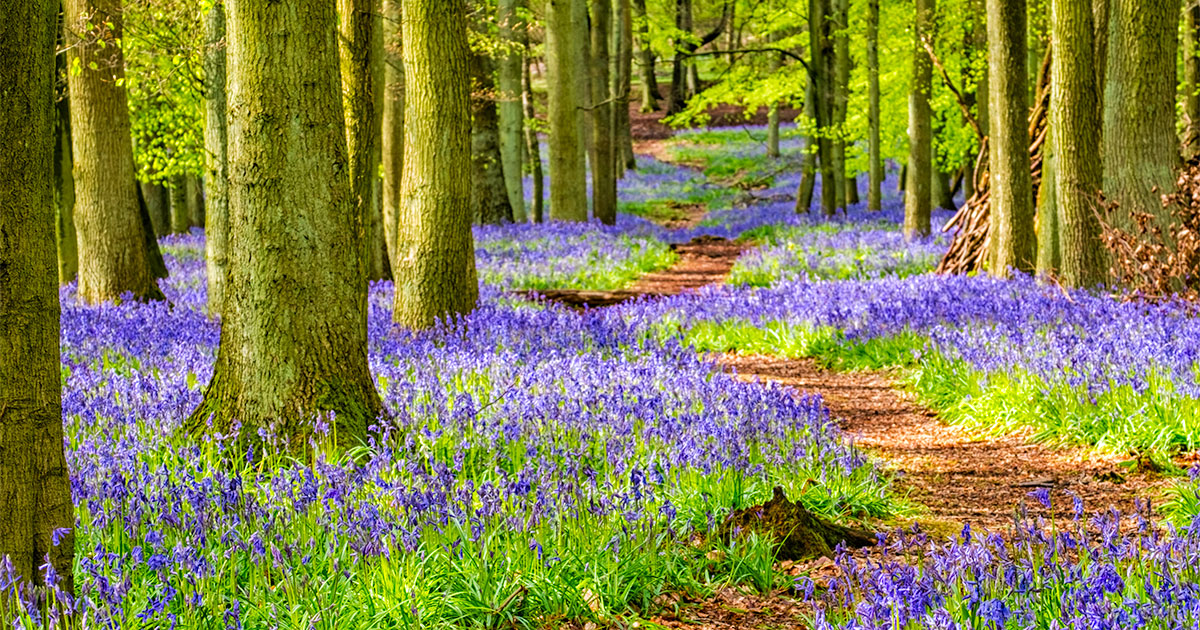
(568, 178)
(1075, 134)
(356, 39)
(393, 123)
(1012, 237)
(294, 318)
(64, 176)
(650, 90)
(874, 155)
(435, 261)
(917, 194)
(35, 491)
(489, 190)
(510, 65)
(622, 83)
(216, 131)
(603, 116)
(112, 253)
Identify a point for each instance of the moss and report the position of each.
(799, 533)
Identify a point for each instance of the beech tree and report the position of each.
(112, 244)
(36, 512)
(874, 155)
(1013, 241)
(917, 194)
(568, 179)
(602, 114)
(393, 123)
(510, 65)
(294, 320)
(489, 190)
(1075, 134)
(216, 131)
(435, 256)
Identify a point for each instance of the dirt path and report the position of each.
(960, 477)
(703, 261)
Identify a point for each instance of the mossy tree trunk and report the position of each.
(356, 39)
(602, 114)
(181, 221)
(158, 203)
(841, 96)
(112, 253)
(1012, 239)
(773, 109)
(1141, 152)
(917, 194)
(1191, 79)
(489, 193)
(35, 490)
(379, 265)
(512, 114)
(435, 270)
(821, 39)
(216, 152)
(808, 168)
(568, 179)
(622, 85)
(64, 197)
(1048, 250)
(650, 89)
(533, 150)
(195, 201)
(294, 318)
(874, 151)
(393, 124)
(1075, 136)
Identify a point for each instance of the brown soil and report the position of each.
(703, 261)
(958, 475)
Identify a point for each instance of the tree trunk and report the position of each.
(1048, 250)
(622, 84)
(942, 193)
(568, 179)
(773, 109)
(195, 201)
(64, 230)
(808, 170)
(154, 257)
(533, 151)
(917, 197)
(821, 38)
(677, 99)
(650, 89)
(489, 194)
(1191, 80)
(356, 44)
(1075, 136)
(1100, 19)
(874, 154)
(181, 220)
(294, 317)
(158, 203)
(35, 491)
(435, 277)
(1141, 150)
(379, 265)
(393, 125)
(112, 253)
(1012, 239)
(216, 152)
(512, 113)
(604, 169)
(841, 96)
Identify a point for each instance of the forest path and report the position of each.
(957, 475)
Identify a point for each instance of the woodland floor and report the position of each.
(951, 474)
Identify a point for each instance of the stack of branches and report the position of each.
(969, 247)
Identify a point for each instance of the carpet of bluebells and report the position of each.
(540, 466)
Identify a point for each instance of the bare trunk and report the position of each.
(1012, 239)
(489, 194)
(604, 171)
(512, 113)
(650, 89)
(216, 150)
(568, 183)
(393, 125)
(917, 197)
(533, 151)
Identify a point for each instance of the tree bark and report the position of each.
(158, 203)
(773, 109)
(808, 169)
(356, 39)
(1075, 134)
(1012, 239)
(1141, 151)
(1048, 250)
(1191, 80)
(533, 151)
(393, 124)
(181, 220)
(604, 168)
(512, 113)
(154, 257)
(294, 317)
(435, 277)
(35, 491)
(821, 38)
(216, 163)
(64, 232)
(489, 194)
(650, 89)
(622, 85)
(874, 153)
(112, 254)
(195, 201)
(568, 179)
(841, 96)
(917, 198)
(379, 265)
